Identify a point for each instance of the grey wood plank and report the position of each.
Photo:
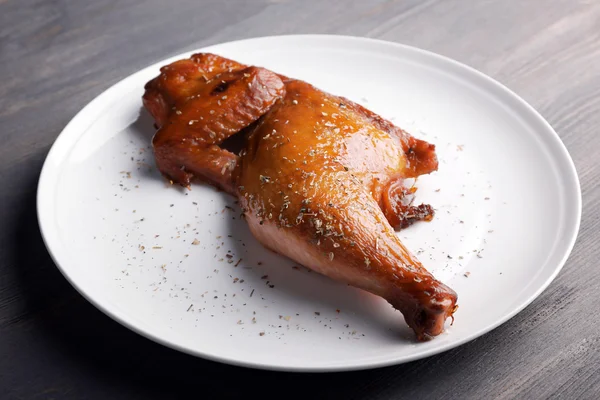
(55, 56)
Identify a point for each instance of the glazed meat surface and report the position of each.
(197, 104)
(320, 178)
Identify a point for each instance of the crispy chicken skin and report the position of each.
(320, 178)
(197, 104)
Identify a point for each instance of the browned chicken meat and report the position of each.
(320, 178)
(200, 102)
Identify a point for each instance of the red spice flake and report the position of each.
(337, 311)
(264, 277)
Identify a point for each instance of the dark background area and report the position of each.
(55, 56)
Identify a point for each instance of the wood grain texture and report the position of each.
(55, 56)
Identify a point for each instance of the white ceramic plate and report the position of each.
(155, 258)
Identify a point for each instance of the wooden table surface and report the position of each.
(55, 56)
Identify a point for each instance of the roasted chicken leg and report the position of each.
(320, 178)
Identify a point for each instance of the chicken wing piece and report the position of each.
(312, 180)
(320, 179)
(198, 103)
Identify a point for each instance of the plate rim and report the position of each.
(550, 137)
